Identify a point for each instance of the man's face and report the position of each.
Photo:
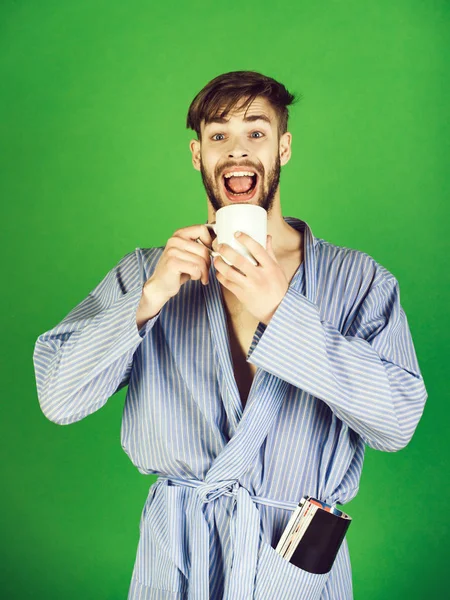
(241, 143)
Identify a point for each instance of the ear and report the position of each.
(285, 147)
(195, 150)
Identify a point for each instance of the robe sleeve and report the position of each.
(88, 356)
(369, 377)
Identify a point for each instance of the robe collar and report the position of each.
(219, 329)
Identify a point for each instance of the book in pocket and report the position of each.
(317, 549)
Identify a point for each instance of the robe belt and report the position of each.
(244, 532)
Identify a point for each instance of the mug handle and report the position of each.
(211, 252)
(214, 253)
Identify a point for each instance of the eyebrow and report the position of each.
(248, 119)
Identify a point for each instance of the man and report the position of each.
(246, 390)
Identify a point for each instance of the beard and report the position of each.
(266, 194)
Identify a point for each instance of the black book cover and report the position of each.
(320, 543)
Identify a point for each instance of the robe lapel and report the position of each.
(219, 333)
(250, 427)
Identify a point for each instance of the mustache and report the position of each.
(249, 166)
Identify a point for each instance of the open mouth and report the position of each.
(240, 186)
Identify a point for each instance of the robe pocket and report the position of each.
(160, 559)
(276, 577)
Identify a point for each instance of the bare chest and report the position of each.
(241, 328)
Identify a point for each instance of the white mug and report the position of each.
(248, 218)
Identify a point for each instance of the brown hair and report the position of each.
(229, 88)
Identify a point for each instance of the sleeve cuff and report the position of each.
(133, 297)
(271, 344)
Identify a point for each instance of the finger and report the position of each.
(199, 241)
(230, 272)
(214, 244)
(238, 261)
(256, 250)
(233, 287)
(192, 248)
(195, 231)
(193, 265)
(270, 247)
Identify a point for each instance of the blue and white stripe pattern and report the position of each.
(336, 370)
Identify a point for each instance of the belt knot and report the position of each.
(210, 491)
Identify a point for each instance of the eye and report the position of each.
(258, 134)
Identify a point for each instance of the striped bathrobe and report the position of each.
(336, 370)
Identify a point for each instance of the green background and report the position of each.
(95, 162)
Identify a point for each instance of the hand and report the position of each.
(182, 259)
(260, 288)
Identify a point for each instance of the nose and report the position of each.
(237, 153)
(237, 150)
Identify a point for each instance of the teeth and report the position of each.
(238, 174)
